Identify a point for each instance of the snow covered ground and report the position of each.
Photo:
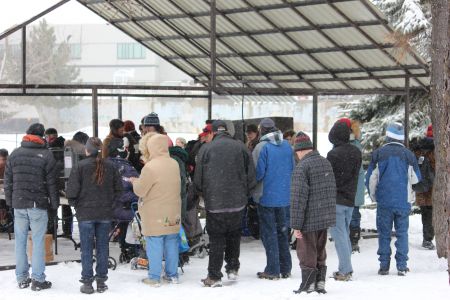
(427, 280)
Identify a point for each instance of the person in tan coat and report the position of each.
(159, 207)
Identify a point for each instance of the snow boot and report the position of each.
(86, 288)
(101, 286)
(320, 279)
(402, 272)
(24, 283)
(428, 245)
(264, 275)
(209, 282)
(308, 281)
(40, 285)
(355, 235)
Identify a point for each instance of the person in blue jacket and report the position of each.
(389, 179)
(274, 163)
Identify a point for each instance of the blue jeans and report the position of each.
(36, 219)
(341, 237)
(159, 247)
(275, 237)
(356, 218)
(385, 218)
(94, 232)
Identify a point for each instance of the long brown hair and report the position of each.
(94, 145)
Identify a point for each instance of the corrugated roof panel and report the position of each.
(426, 81)
(276, 42)
(403, 57)
(183, 65)
(159, 48)
(259, 3)
(163, 7)
(389, 73)
(321, 14)
(347, 37)
(222, 24)
(310, 39)
(335, 85)
(372, 58)
(336, 60)
(295, 85)
(364, 84)
(204, 64)
(249, 21)
(350, 75)
(230, 4)
(131, 9)
(183, 47)
(221, 48)
(317, 76)
(188, 26)
(242, 44)
(378, 33)
(107, 11)
(281, 77)
(134, 30)
(268, 64)
(394, 83)
(193, 6)
(263, 85)
(301, 62)
(238, 64)
(284, 18)
(417, 71)
(254, 78)
(158, 28)
(356, 11)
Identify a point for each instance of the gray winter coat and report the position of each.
(30, 176)
(224, 174)
(313, 194)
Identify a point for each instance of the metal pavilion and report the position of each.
(254, 47)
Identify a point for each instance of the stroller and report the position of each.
(135, 238)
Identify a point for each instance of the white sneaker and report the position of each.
(151, 282)
(233, 275)
(171, 280)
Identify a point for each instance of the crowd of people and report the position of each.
(276, 182)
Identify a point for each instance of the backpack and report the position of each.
(426, 184)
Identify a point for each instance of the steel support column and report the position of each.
(407, 100)
(212, 78)
(94, 113)
(24, 57)
(119, 107)
(315, 119)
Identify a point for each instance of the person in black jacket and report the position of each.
(346, 162)
(30, 188)
(94, 186)
(225, 177)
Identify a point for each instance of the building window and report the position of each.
(130, 51)
(75, 51)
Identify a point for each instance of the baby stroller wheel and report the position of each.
(112, 263)
(134, 263)
(202, 252)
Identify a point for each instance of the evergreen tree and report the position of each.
(47, 63)
(411, 19)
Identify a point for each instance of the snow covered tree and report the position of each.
(47, 63)
(440, 90)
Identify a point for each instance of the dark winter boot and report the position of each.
(87, 287)
(320, 279)
(308, 281)
(40, 285)
(355, 235)
(101, 285)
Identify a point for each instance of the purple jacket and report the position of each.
(122, 207)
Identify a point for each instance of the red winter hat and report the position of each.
(346, 121)
(207, 130)
(430, 131)
(129, 126)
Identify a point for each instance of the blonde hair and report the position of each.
(356, 130)
(143, 146)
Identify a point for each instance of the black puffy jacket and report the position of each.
(224, 174)
(30, 176)
(346, 162)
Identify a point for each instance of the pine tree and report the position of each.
(47, 63)
(411, 19)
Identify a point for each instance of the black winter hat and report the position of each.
(219, 125)
(115, 146)
(151, 119)
(36, 129)
(80, 137)
(51, 131)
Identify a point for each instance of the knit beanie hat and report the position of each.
(93, 145)
(219, 125)
(302, 142)
(430, 131)
(267, 123)
(129, 126)
(36, 129)
(151, 120)
(395, 131)
(346, 121)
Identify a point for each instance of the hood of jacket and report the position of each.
(179, 152)
(57, 143)
(275, 138)
(33, 141)
(157, 146)
(339, 134)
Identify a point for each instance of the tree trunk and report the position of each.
(440, 90)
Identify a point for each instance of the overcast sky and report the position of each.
(14, 12)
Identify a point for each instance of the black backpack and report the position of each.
(427, 172)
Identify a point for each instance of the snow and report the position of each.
(427, 280)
